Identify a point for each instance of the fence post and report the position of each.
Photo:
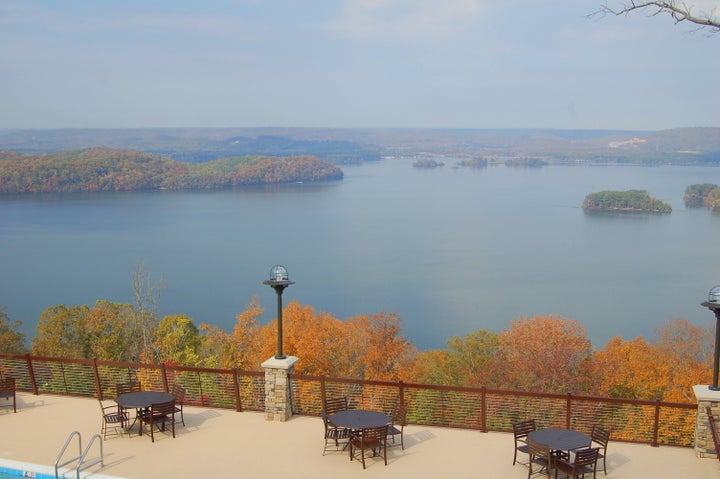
(323, 394)
(98, 386)
(401, 393)
(31, 374)
(483, 409)
(236, 385)
(656, 425)
(164, 377)
(568, 411)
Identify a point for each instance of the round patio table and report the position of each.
(359, 419)
(141, 400)
(560, 439)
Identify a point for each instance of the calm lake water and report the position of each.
(449, 250)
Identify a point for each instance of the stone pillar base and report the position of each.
(704, 445)
(278, 400)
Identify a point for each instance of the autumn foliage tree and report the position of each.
(544, 354)
(61, 332)
(688, 351)
(106, 331)
(386, 350)
(666, 368)
(11, 339)
(629, 369)
(178, 340)
(539, 354)
(371, 347)
(468, 361)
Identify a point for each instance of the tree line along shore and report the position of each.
(108, 169)
(547, 353)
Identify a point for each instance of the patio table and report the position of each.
(141, 400)
(356, 419)
(559, 439)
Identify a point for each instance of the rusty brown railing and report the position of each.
(643, 421)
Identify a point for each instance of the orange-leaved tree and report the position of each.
(629, 369)
(544, 354)
(388, 351)
(239, 349)
(317, 338)
(688, 351)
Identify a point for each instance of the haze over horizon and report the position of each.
(353, 64)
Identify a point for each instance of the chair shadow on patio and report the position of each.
(28, 402)
(196, 416)
(413, 437)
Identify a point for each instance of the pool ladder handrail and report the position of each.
(81, 464)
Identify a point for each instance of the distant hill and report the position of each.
(697, 145)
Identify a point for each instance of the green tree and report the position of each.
(61, 332)
(178, 340)
(467, 361)
(11, 340)
(110, 332)
(474, 358)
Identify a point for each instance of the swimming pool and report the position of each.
(14, 469)
(10, 469)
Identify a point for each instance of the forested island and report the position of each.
(630, 200)
(110, 169)
(526, 162)
(706, 194)
(427, 164)
(474, 163)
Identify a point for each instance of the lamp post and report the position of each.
(713, 304)
(279, 281)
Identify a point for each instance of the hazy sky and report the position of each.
(352, 63)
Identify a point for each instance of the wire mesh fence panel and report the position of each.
(504, 409)
(61, 377)
(110, 376)
(650, 422)
(18, 369)
(252, 391)
(306, 396)
(151, 378)
(677, 426)
(444, 407)
(216, 390)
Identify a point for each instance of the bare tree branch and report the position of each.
(679, 11)
(147, 298)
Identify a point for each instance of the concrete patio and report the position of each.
(220, 443)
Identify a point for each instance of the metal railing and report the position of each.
(81, 460)
(643, 421)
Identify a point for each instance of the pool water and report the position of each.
(15, 470)
(6, 473)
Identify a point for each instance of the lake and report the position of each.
(450, 250)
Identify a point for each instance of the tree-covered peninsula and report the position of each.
(108, 169)
(630, 200)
